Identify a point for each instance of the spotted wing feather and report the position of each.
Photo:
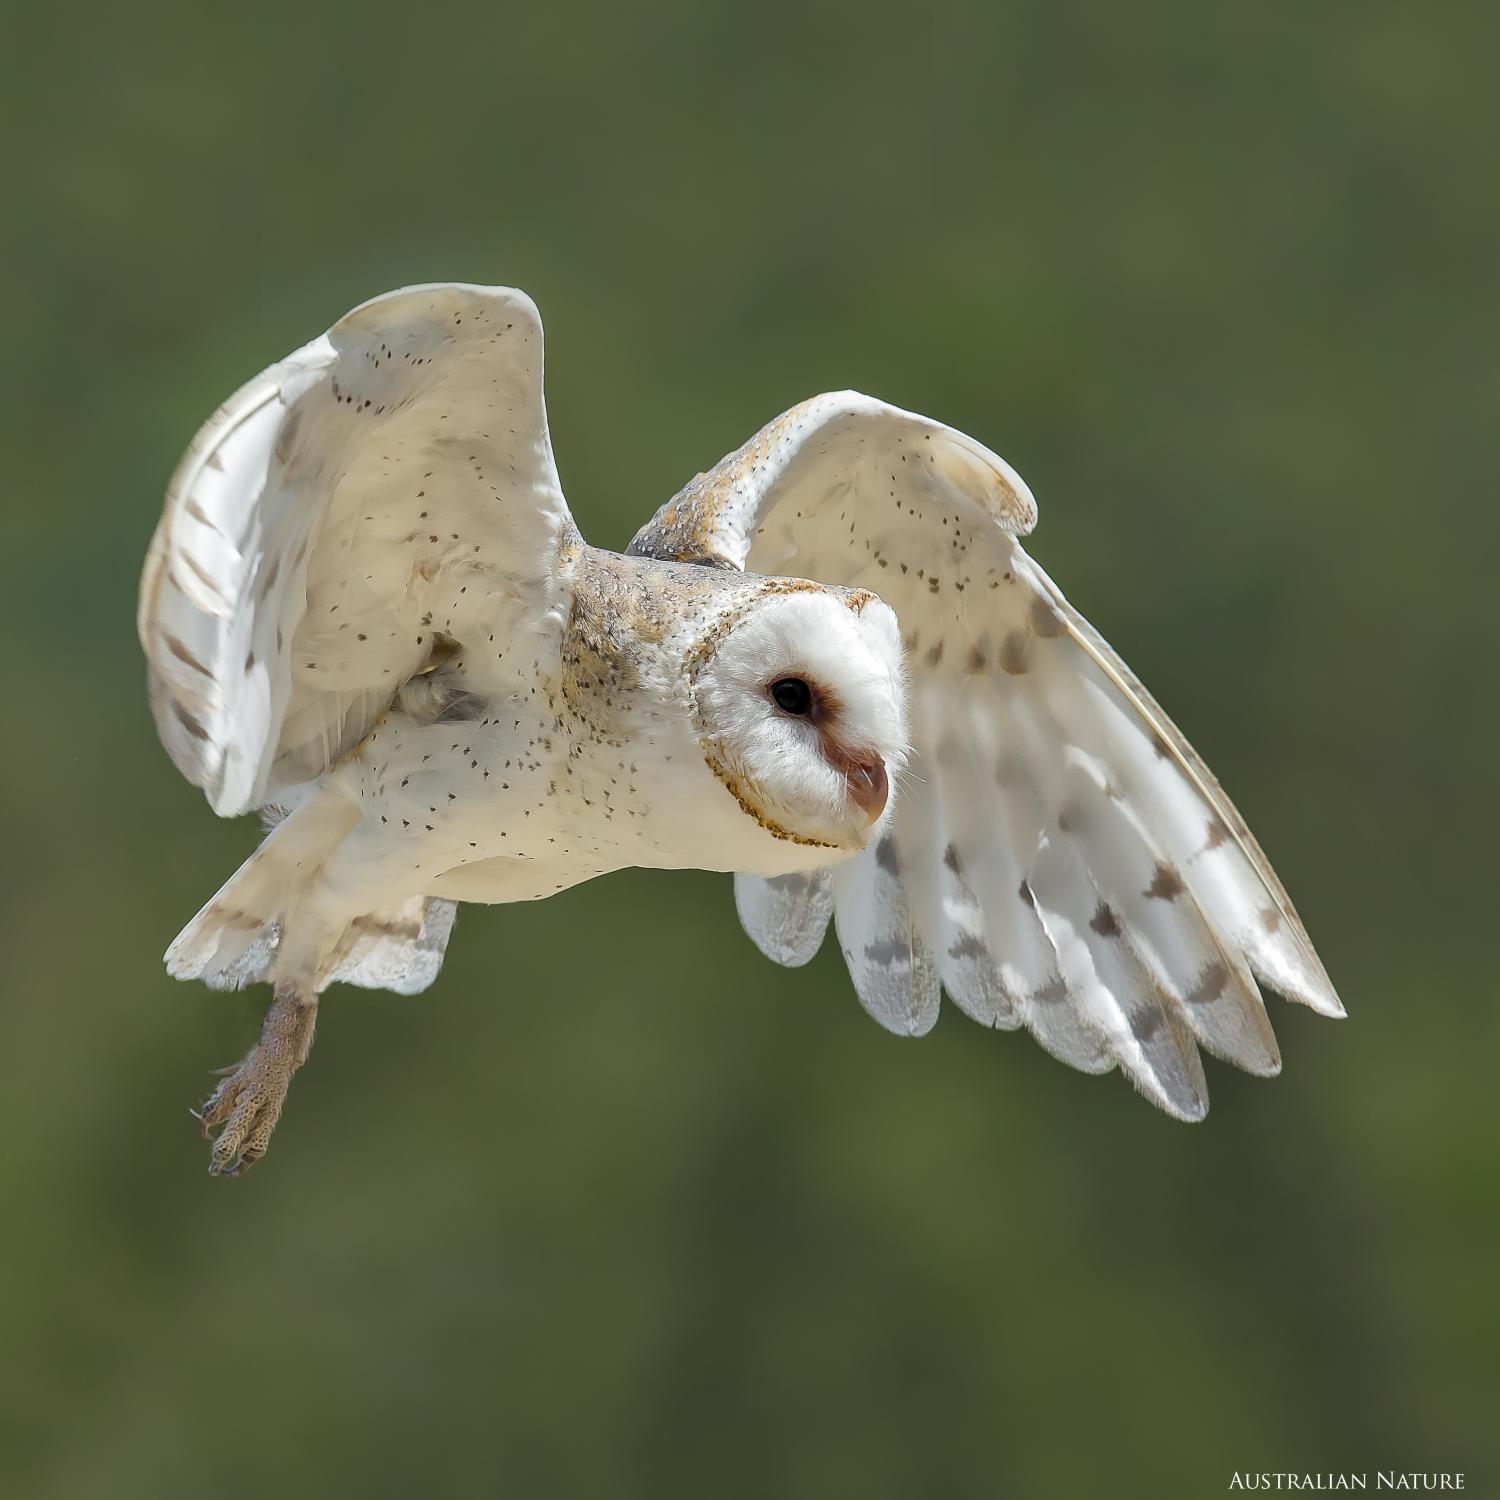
(786, 915)
(1060, 857)
(330, 518)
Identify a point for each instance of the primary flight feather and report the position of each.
(827, 665)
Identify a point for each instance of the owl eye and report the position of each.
(791, 695)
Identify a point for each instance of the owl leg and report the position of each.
(247, 1104)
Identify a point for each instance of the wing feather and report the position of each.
(786, 915)
(391, 480)
(1178, 788)
(958, 933)
(893, 974)
(1059, 856)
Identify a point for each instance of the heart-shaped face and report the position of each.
(802, 704)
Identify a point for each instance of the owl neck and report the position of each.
(625, 699)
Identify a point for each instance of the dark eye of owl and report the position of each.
(792, 696)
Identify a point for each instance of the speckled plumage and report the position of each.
(368, 606)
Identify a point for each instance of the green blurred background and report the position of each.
(618, 1208)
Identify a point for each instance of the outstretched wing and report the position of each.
(1059, 858)
(332, 516)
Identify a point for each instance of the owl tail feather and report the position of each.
(236, 938)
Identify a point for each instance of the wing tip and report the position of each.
(1256, 1067)
(1308, 984)
(1327, 1004)
(785, 916)
(375, 310)
(785, 954)
(915, 1018)
(1188, 1104)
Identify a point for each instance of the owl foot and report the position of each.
(247, 1104)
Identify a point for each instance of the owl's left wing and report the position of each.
(383, 494)
(1059, 857)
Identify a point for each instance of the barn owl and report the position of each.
(827, 666)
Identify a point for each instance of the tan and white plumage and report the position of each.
(368, 607)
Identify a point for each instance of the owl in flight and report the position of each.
(827, 666)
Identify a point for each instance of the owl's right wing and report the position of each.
(389, 485)
(1059, 856)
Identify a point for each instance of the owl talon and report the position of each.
(241, 1114)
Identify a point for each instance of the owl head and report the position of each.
(801, 698)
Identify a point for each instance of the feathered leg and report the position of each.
(247, 1104)
(310, 908)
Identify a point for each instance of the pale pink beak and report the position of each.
(864, 774)
(869, 787)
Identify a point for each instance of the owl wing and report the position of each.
(1059, 857)
(325, 530)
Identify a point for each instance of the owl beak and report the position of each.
(869, 787)
(864, 775)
